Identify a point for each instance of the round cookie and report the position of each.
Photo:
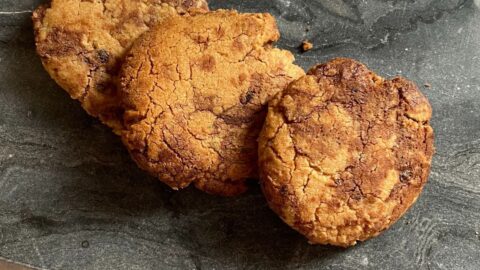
(195, 90)
(344, 153)
(81, 44)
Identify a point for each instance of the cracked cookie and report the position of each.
(195, 91)
(81, 44)
(344, 153)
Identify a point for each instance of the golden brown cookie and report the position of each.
(195, 91)
(81, 44)
(344, 153)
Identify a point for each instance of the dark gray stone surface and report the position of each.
(70, 198)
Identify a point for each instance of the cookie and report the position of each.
(344, 153)
(81, 44)
(195, 91)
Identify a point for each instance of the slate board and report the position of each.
(71, 198)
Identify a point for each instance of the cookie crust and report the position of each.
(81, 44)
(195, 91)
(344, 153)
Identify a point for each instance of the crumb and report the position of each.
(307, 46)
(427, 85)
(85, 244)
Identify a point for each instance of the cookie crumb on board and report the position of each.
(427, 85)
(306, 46)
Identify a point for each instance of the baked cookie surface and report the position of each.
(195, 91)
(344, 153)
(81, 44)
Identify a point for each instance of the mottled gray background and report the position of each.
(70, 198)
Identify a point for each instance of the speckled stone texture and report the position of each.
(71, 198)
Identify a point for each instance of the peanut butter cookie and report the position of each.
(81, 43)
(344, 153)
(195, 90)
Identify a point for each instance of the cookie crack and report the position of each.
(170, 147)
